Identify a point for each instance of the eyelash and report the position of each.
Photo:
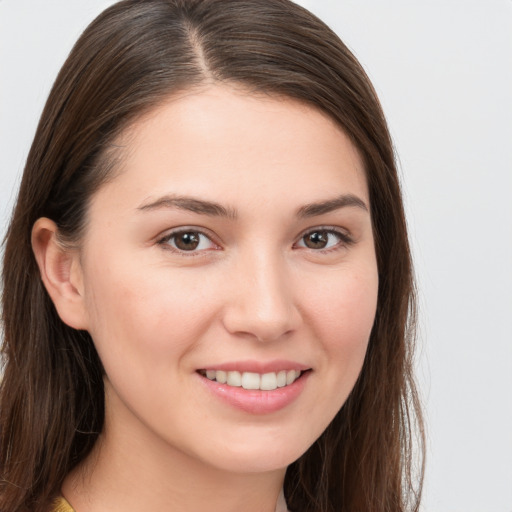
(165, 242)
(345, 240)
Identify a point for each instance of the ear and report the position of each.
(61, 273)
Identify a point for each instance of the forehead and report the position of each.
(226, 141)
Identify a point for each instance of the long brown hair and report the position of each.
(128, 60)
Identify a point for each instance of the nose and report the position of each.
(262, 305)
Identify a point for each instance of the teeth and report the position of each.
(290, 377)
(234, 379)
(268, 381)
(250, 380)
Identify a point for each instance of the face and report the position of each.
(229, 278)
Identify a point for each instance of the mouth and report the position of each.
(256, 387)
(254, 381)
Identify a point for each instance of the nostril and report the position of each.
(261, 326)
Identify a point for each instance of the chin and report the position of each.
(254, 463)
(250, 456)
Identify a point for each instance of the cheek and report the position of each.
(343, 313)
(144, 327)
(140, 316)
(345, 306)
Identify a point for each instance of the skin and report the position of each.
(252, 290)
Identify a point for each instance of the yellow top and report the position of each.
(61, 505)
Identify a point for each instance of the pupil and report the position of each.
(316, 240)
(187, 241)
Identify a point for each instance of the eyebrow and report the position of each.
(323, 207)
(214, 209)
(191, 204)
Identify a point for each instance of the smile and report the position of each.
(255, 381)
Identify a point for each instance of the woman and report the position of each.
(207, 282)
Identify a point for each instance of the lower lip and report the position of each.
(257, 401)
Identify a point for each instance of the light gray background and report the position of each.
(443, 70)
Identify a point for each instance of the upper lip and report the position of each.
(257, 366)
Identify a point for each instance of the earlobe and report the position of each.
(61, 273)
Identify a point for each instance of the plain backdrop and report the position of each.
(443, 71)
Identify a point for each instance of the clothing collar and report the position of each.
(281, 503)
(61, 505)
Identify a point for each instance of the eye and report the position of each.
(188, 241)
(323, 239)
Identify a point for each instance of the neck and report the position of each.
(132, 470)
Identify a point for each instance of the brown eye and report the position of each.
(316, 240)
(322, 239)
(188, 241)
